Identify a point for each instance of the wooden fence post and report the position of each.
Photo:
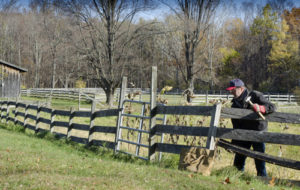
(214, 122)
(7, 110)
(151, 153)
(93, 108)
(51, 94)
(79, 97)
(2, 102)
(52, 120)
(70, 122)
(119, 121)
(16, 112)
(37, 116)
(25, 115)
(206, 97)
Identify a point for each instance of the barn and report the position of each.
(10, 79)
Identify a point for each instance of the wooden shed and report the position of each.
(10, 79)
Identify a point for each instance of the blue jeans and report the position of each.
(239, 160)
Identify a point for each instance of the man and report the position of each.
(261, 104)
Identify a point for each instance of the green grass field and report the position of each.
(31, 162)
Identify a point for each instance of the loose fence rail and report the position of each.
(213, 133)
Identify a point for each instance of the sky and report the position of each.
(163, 10)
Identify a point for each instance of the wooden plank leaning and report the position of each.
(261, 156)
(214, 122)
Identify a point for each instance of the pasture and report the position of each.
(31, 161)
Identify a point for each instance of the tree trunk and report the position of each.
(190, 89)
(67, 82)
(109, 92)
(53, 73)
(37, 57)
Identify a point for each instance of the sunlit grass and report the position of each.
(31, 161)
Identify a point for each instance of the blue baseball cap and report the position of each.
(235, 83)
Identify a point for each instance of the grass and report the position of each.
(31, 161)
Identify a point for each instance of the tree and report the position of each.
(7, 5)
(107, 35)
(195, 17)
(284, 65)
(36, 44)
(293, 20)
(257, 62)
(172, 47)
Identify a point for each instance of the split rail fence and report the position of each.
(213, 132)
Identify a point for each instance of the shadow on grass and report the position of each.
(101, 151)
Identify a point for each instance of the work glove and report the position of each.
(259, 108)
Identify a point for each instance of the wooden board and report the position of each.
(183, 110)
(261, 156)
(237, 113)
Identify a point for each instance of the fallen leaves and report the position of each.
(226, 181)
(272, 182)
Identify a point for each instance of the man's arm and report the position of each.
(261, 100)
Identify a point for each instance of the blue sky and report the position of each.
(162, 10)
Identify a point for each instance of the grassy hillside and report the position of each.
(31, 162)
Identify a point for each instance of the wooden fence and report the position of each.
(88, 94)
(99, 95)
(212, 132)
(69, 125)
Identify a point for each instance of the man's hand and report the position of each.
(259, 108)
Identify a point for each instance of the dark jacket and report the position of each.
(258, 98)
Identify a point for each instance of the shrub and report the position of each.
(297, 93)
(80, 83)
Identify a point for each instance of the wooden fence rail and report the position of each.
(98, 94)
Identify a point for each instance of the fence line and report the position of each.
(6, 106)
(222, 133)
(99, 95)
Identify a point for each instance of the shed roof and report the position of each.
(13, 66)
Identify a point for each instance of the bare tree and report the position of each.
(8, 5)
(195, 17)
(107, 32)
(36, 44)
